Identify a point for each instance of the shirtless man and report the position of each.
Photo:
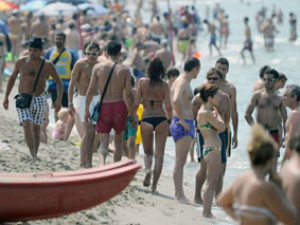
(136, 61)
(164, 54)
(291, 99)
(33, 117)
(40, 27)
(223, 65)
(213, 37)
(268, 104)
(113, 110)
(183, 40)
(222, 103)
(260, 84)
(157, 30)
(224, 31)
(248, 45)
(269, 31)
(81, 76)
(73, 39)
(182, 127)
(290, 172)
(14, 24)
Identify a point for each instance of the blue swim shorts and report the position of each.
(178, 131)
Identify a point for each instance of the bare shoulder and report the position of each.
(80, 62)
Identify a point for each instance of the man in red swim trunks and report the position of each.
(113, 111)
(268, 104)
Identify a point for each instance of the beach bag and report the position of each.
(23, 100)
(94, 117)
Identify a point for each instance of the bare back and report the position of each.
(117, 83)
(40, 29)
(153, 97)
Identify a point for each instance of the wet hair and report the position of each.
(191, 64)
(113, 48)
(273, 72)
(91, 45)
(172, 72)
(294, 143)
(62, 113)
(156, 71)
(261, 146)
(223, 61)
(208, 90)
(294, 90)
(282, 77)
(214, 71)
(61, 34)
(263, 70)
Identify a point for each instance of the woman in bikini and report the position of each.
(253, 199)
(154, 92)
(210, 123)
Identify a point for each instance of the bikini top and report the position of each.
(152, 101)
(207, 126)
(254, 212)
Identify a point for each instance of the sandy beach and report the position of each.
(135, 205)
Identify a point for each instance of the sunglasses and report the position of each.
(212, 78)
(269, 79)
(92, 53)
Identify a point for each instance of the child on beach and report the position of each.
(61, 124)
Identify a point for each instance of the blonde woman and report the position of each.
(253, 199)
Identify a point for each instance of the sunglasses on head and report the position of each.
(92, 53)
(269, 79)
(212, 78)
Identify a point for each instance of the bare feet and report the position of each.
(147, 179)
(183, 200)
(36, 159)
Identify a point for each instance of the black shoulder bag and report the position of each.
(23, 100)
(94, 117)
(57, 58)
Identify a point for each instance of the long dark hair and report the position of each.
(156, 71)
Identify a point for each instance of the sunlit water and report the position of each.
(285, 58)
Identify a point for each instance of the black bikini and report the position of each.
(154, 121)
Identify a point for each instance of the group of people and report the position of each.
(169, 108)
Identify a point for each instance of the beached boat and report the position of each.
(71, 173)
(32, 198)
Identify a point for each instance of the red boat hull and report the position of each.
(71, 173)
(31, 198)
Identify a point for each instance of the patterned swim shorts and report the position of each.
(36, 112)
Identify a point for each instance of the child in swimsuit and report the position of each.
(61, 124)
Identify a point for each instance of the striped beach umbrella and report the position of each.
(4, 5)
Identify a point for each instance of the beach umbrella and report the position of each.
(33, 5)
(4, 5)
(58, 8)
(73, 2)
(95, 9)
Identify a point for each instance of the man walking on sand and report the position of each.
(291, 99)
(33, 116)
(81, 76)
(268, 104)
(113, 111)
(182, 127)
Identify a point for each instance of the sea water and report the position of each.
(285, 59)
